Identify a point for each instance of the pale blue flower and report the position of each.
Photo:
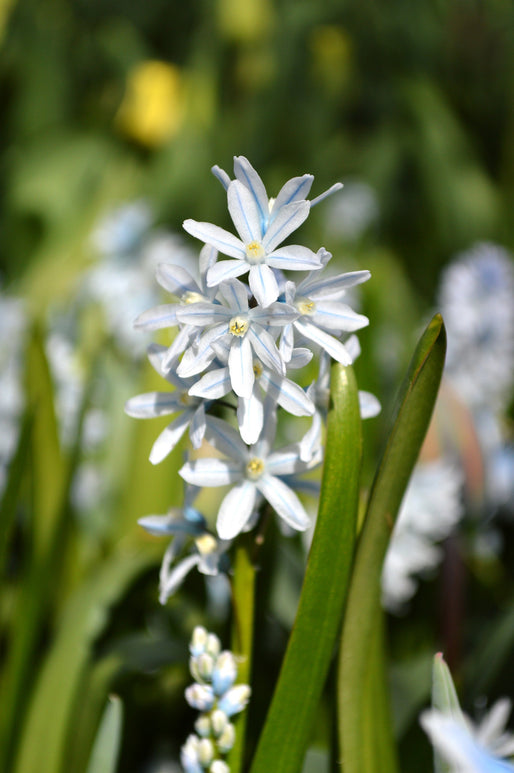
(468, 748)
(235, 328)
(321, 313)
(255, 470)
(296, 189)
(261, 230)
(150, 405)
(178, 281)
(190, 532)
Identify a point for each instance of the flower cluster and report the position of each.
(218, 699)
(238, 345)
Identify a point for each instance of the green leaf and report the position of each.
(17, 468)
(362, 681)
(285, 736)
(105, 750)
(84, 617)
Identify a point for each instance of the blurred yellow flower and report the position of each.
(245, 21)
(153, 108)
(331, 51)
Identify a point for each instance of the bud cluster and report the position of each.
(215, 695)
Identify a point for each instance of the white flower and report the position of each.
(430, 509)
(242, 330)
(191, 410)
(477, 303)
(469, 747)
(255, 470)
(317, 300)
(178, 281)
(261, 229)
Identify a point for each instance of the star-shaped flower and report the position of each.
(256, 248)
(255, 471)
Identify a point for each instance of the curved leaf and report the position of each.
(365, 736)
(285, 736)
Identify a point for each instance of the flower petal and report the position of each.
(337, 316)
(369, 405)
(225, 439)
(171, 580)
(250, 415)
(211, 472)
(175, 279)
(213, 385)
(158, 317)
(293, 257)
(265, 349)
(217, 237)
(296, 189)
(225, 269)
(169, 437)
(288, 219)
(152, 404)
(319, 286)
(244, 212)
(246, 174)
(236, 509)
(287, 393)
(263, 284)
(330, 344)
(240, 365)
(197, 428)
(202, 314)
(284, 501)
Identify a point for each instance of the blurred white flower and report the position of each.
(476, 299)
(122, 282)
(430, 509)
(352, 211)
(13, 322)
(469, 747)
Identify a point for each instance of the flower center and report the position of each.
(255, 252)
(238, 326)
(255, 468)
(192, 297)
(186, 399)
(305, 306)
(257, 369)
(206, 544)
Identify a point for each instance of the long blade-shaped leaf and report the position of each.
(104, 756)
(285, 736)
(361, 671)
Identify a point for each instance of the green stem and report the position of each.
(243, 598)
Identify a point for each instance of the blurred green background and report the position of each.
(108, 103)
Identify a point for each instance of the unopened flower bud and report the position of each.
(200, 696)
(198, 641)
(224, 673)
(205, 752)
(203, 726)
(235, 699)
(219, 721)
(202, 667)
(218, 766)
(213, 645)
(226, 740)
(189, 755)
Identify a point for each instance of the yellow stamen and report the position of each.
(255, 252)
(255, 468)
(238, 326)
(305, 306)
(257, 369)
(192, 297)
(206, 544)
